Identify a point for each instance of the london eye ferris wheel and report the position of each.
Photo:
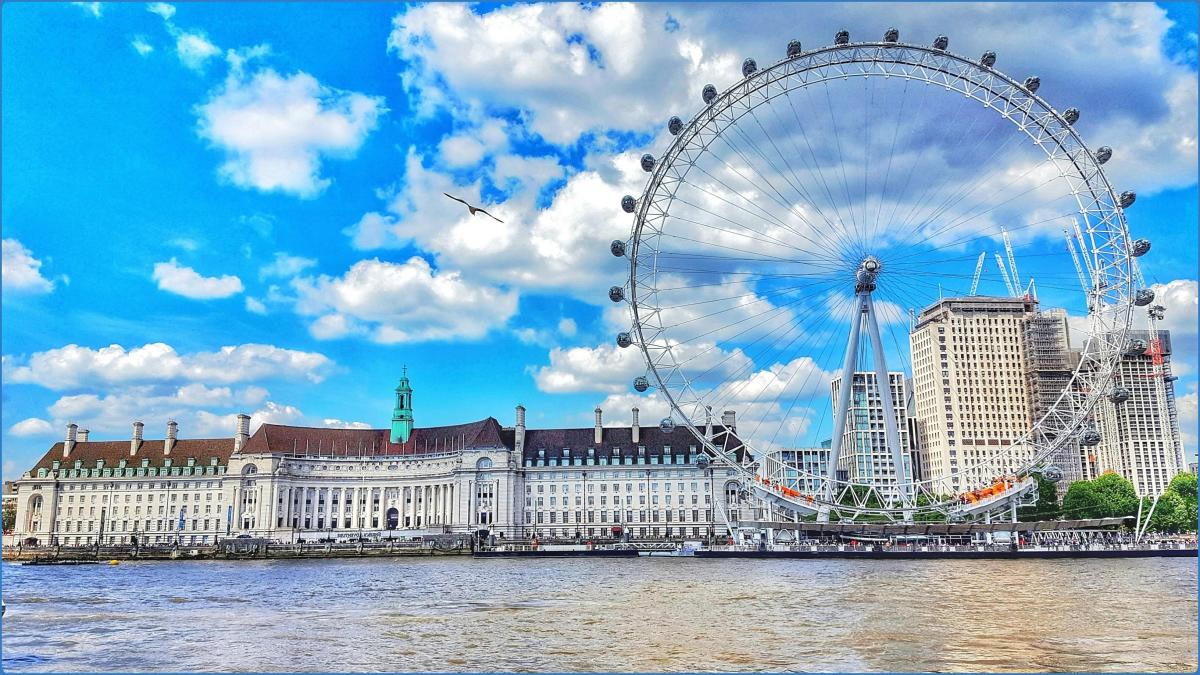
(797, 218)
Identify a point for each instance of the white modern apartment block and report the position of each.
(1139, 438)
(865, 456)
(970, 388)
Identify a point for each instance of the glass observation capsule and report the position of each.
(842, 37)
(1127, 199)
(1141, 247)
(648, 162)
(628, 203)
(794, 49)
(1090, 437)
(1033, 83)
(674, 125)
(1118, 395)
(1136, 347)
(1143, 297)
(709, 94)
(891, 35)
(1103, 154)
(941, 42)
(667, 425)
(988, 59)
(1052, 474)
(616, 294)
(617, 247)
(641, 383)
(624, 340)
(1071, 115)
(749, 67)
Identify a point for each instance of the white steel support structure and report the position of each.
(864, 312)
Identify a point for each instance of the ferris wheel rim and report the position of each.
(1087, 169)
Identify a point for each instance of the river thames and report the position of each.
(650, 614)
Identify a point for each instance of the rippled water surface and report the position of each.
(648, 614)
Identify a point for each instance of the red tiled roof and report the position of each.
(324, 441)
(112, 452)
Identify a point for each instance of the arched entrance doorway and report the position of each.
(393, 518)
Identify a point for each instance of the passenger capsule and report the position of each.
(1052, 474)
(1118, 395)
(842, 37)
(794, 49)
(1143, 297)
(674, 125)
(1127, 199)
(749, 67)
(641, 383)
(988, 59)
(1032, 83)
(624, 340)
(1090, 437)
(1136, 347)
(647, 162)
(709, 94)
(618, 248)
(667, 425)
(941, 42)
(616, 294)
(1071, 115)
(891, 35)
(1140, 247)
(628, 203)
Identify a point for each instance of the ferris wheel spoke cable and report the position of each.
(933, 190)
(985, 234)
(835, 222)
(841, 161)
(816, 163)
(766, 216)
(891, 156)
(743, 382)
(767, 240)
(781, 198)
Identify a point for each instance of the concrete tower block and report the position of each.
(599, 426)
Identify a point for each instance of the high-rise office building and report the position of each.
(1139, 436)
(971, 389)
(865, 456)
(1049, 366)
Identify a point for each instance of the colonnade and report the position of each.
(362, 507)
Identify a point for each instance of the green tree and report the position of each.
(1185, 485)
(1176, 508)
(1046, 507)
(10, 519)
(1109, 496)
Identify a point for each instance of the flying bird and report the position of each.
(473, 209)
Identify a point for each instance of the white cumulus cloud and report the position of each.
(20, 271)
(401, 302)
(33, 426)
(182, 280)
(276, 130)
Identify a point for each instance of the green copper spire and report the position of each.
(402, 415)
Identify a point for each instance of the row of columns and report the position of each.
(429, 505)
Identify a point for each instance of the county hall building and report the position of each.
(291, 483)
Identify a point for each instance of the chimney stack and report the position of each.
(135, 443)
(69, 443)
(172, 435)
(243, 432)
(599, 426)
(637, 427)
(83, 436)
(520, 431)
(729, 419)
(708, 421)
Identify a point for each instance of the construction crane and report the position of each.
(1078, 265)
(1012, 262)
(1012, 290)
(978, 271)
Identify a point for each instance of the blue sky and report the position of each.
(215, 208)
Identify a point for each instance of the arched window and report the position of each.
(484, 463)
(249, 470)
